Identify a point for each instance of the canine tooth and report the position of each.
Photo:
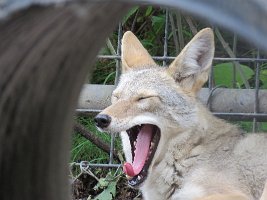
(139, 178)
(129, 177)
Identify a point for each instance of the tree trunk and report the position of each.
(45, 54)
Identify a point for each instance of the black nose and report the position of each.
(102, 120)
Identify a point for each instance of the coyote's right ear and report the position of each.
(133, 54)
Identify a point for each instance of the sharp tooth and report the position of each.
(152, 145)
(134, 143)
(139, 178)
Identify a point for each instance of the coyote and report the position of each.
(174, 147)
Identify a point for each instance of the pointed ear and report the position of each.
(191, 67)
(133, 54)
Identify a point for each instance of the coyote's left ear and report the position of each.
(191, 67)
(133, 54)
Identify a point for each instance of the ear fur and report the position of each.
(191, 67)
(134, 55)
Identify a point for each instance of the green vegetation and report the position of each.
(263, 75)
(223, 74)
(84, 150)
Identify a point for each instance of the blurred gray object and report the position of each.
(244, 17)
(45, 49)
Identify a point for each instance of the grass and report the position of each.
(84, 150)
(104, 72)
(247, 126)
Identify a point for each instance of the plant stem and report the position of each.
(110, 47)
(175, 37)
(180, 29)
(191, 24)
(134, 21)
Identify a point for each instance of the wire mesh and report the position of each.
(258, 60)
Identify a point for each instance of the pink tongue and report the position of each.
(141, 151)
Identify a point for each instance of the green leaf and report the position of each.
(223, 74)
(129, 14)
(263, 78)
(108, 193)
(148, 11)
(102, 183)
(158, 22)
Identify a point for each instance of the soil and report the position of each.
(83, 186)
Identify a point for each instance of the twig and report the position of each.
(191, 24)
(141, 27)
(94, 139)
(175, 37)
(234, 66)
(180, 29)
(232, 55)
(134, 21)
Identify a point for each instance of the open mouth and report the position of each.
(144, 140)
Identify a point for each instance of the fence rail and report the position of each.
(239, 104)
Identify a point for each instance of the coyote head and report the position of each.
(153, 104)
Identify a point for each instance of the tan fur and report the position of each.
(199, 156)
(132, 46)
(177, 67)
(224, 197)
(264, 194)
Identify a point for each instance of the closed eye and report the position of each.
(146, 97)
